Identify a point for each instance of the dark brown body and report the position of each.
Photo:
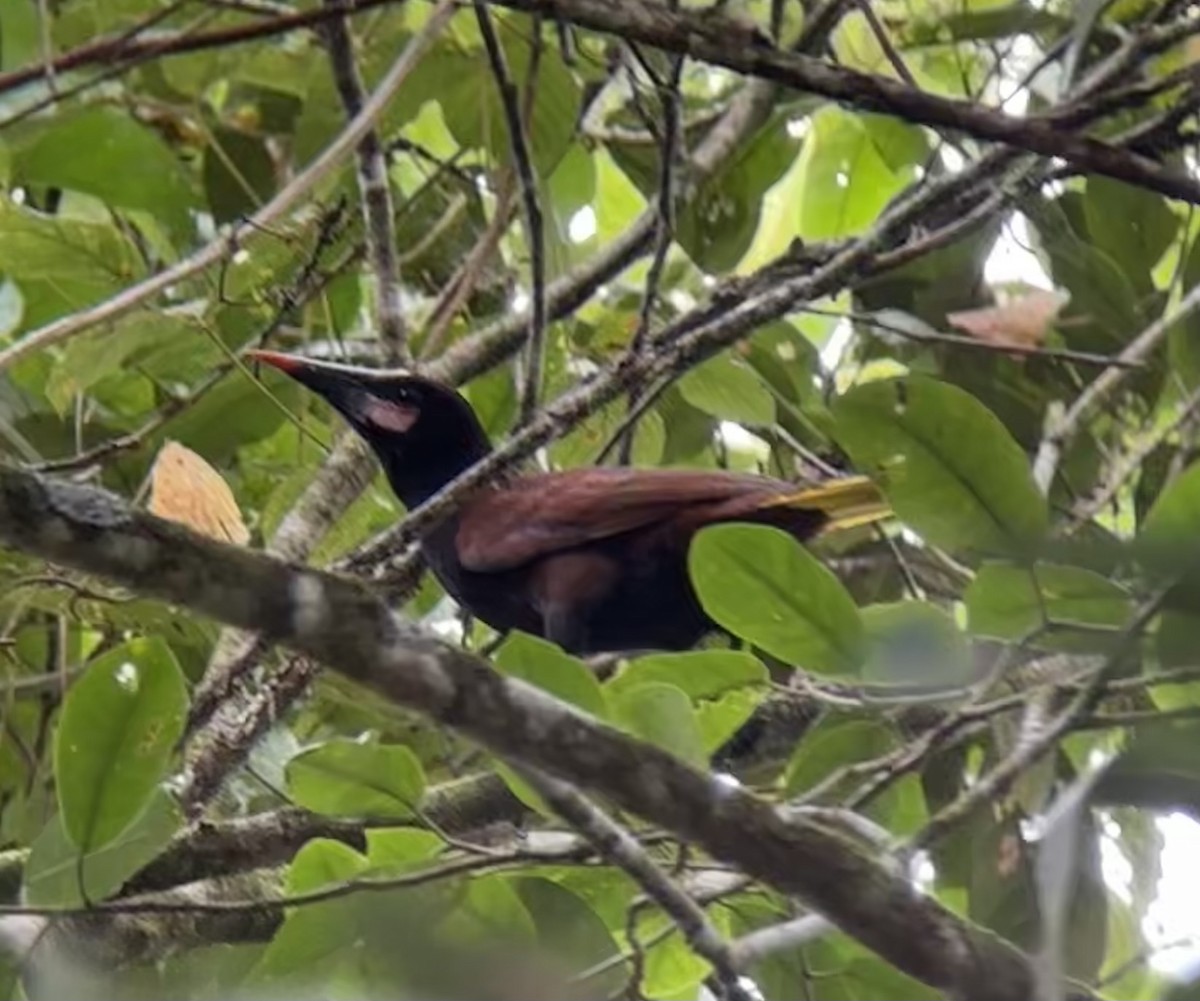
(596, 560)
(593, 559)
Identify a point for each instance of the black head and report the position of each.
(424, 432)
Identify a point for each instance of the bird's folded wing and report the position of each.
(540, 515)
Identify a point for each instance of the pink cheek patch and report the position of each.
(389, 416)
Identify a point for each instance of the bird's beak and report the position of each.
(348, 388)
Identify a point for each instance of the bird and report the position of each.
(592, 559)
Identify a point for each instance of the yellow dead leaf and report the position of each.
(186, 489)
(1023, 321)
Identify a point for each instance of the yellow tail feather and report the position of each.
(848, 502)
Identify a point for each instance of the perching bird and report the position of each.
(594, 560)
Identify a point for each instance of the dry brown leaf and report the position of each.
(186, 489)
(1023, 321)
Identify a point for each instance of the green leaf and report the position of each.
(720, 718)
(729, 389)
(1183, 340)
(401, 847)
(312, 937)
(61, 265)
(239, 174)
(717, 225)
(52, 874)
(569, 929)
(105, 152)
(493, 912)
(661, 714)
(1103, 310)
(543, 664)
(320, 862)
(1176, 642)
(235, 412)
(763, 586)
(348, 778)
(915, 642)
(89, 359)
(1007, 602)
(1170, 537)
(845, 178)
(948, 466)
(119, 724)
(1130, 224)
(1159, 770)
(830, 745)
(701, 674)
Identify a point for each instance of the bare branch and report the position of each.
(738, 46)
(375, 190)
(1062, 431)
(620, 848)
(518, 139)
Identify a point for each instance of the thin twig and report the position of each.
(932, 336)
(510, 101)
(1044, 736)
(1087, 508)
(664, 233)
(621, 849)
(1062, 431)
(375, 192)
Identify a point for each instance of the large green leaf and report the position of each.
(122, 345)
(851, 166)
(53, 874)
(345, 777)
(721, 718)
(1130, 224)
(1009, 602)
(1159, 770)
(312, 937)
(543, 664)
(569, 928)
(763, 586)
(239, 174)
(1170, 537)
(1183, 340)
(915, 642)
(119, 724)
(729, 389)
(663, 715)
(104, 151)
(717, 225)
(702, 674)
(401, 847)
(61, 265)
(832, 744)
(948, 466)
(1103, 312)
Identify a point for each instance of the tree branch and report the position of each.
(738, 46)
(620, 848)
(375, 191)
(342, 624)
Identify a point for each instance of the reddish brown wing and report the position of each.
(539, 515)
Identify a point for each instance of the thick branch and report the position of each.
(739, 46)
(342, 624)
